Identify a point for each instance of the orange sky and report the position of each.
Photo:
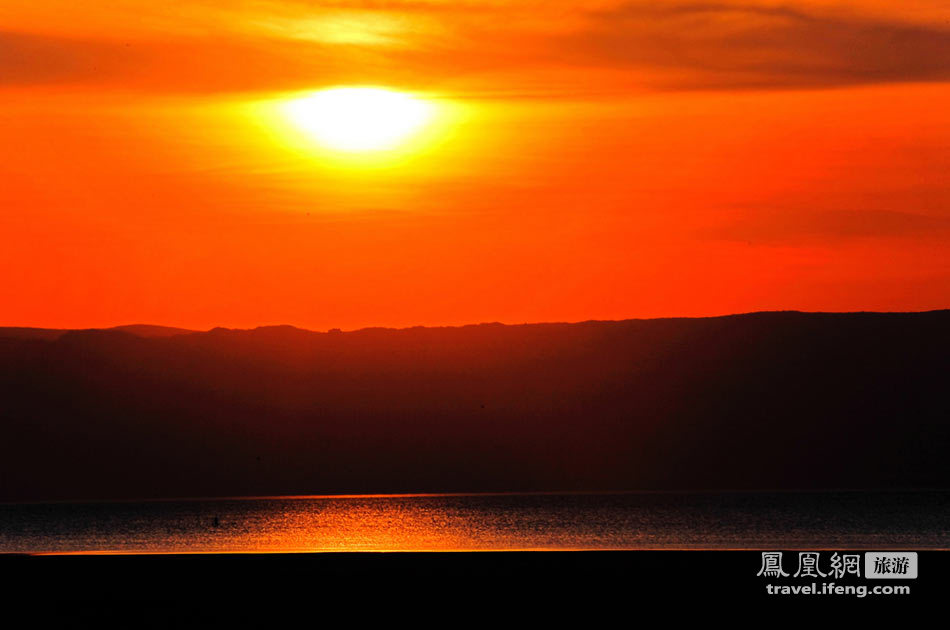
(593, 160)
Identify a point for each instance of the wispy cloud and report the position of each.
(735, 45)
(27, 58)
(182, 64)
(675, 45)
(805, 226)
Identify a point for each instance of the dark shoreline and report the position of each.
(633, 577)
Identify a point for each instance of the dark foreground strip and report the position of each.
(603, 578)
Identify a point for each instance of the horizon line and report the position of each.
(185, 330)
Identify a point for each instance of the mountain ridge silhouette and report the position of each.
(760, 401)
(156, 330)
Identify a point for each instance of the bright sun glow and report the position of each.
(358, 119)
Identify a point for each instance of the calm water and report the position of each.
(446, 522)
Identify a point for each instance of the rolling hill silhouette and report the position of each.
(781, 400)
(140, 330)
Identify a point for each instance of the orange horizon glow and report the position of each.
(183, 164)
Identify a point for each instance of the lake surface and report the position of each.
(839, 520)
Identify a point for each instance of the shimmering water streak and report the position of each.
(845, 520)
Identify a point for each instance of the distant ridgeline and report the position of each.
(761, 401)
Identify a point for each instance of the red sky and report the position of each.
(591, 160)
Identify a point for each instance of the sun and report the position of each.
(360, 119)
